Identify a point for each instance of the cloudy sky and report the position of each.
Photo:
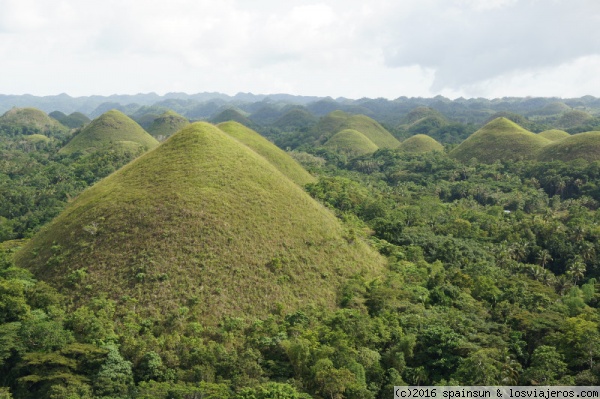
(349, 48)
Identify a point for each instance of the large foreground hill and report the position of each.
(204, 221)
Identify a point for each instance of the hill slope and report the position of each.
(202, 221)
(351, 142)
(338, 120)
(279, 158)
(554, 134)
(578, 146)
(112, 127)
(500, 139)
(420, 143)
(166, 124)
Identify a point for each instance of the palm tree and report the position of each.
(543, 257)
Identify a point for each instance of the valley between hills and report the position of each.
(187, 246)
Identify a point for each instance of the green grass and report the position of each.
(31, 120)
(279, 158)
(499, 140)
(37, 139)
(578, 146)
(352, 143)
(106, 130)
(201, 221)
(166, 124)
(74, 120)
(338, 120)
(420, 143)
(554, 134)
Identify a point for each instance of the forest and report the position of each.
(491, 270)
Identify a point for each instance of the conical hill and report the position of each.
(282, 161)
(420, 143)
(204, 222)
(501, 139)
(29, 121)
(166, 124)
(109, 129)
(338, 120)
(351, 142)
(577, 146)
(554, 134)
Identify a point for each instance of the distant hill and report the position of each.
(500, 139)
(419, 113)
(28, 121)
(554, 134)
(555, 108)
(204, 221)
(578, 146)
(337, 121)
(112, 127)
(166, 124)
(420, 143)
(573, 118)
(295, 119)
(279, 158)
(231, 114)
(73, 121)
(351, 142)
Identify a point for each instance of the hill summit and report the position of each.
(577, 146)
(110, 129)
(500, 139)
(204, 222)
(166, 124)
(420, 143)
(337, 121)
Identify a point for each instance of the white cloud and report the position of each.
(325, 47)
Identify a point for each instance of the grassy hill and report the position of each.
(203, 222)
(500, 139)
(554, 134)
(166, 124)
(419, 113)
(420, 143)
(279, 158)
(337, 121)
(29, 121)
(578, 146)
(351, 142)
(106, 130)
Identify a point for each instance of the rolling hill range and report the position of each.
(30, 121)
(351, 142)
(420, 143)
(282, 161)
(554, 134)
(578, 146)
(338, 120)
(500, 140)
(166, 124)
(112, 128)
(73, 120)
(204, 221)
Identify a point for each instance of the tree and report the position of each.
(115, 378)
(547, 367)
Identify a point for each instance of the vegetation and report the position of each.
(500, 140)
(111, 129)
(420, 143)
(231, 114)
(28, 121)
(282, 161)
(73, 121)
(351, 142)
(200, 270)
(338, 121)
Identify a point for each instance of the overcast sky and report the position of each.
(349, 48)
